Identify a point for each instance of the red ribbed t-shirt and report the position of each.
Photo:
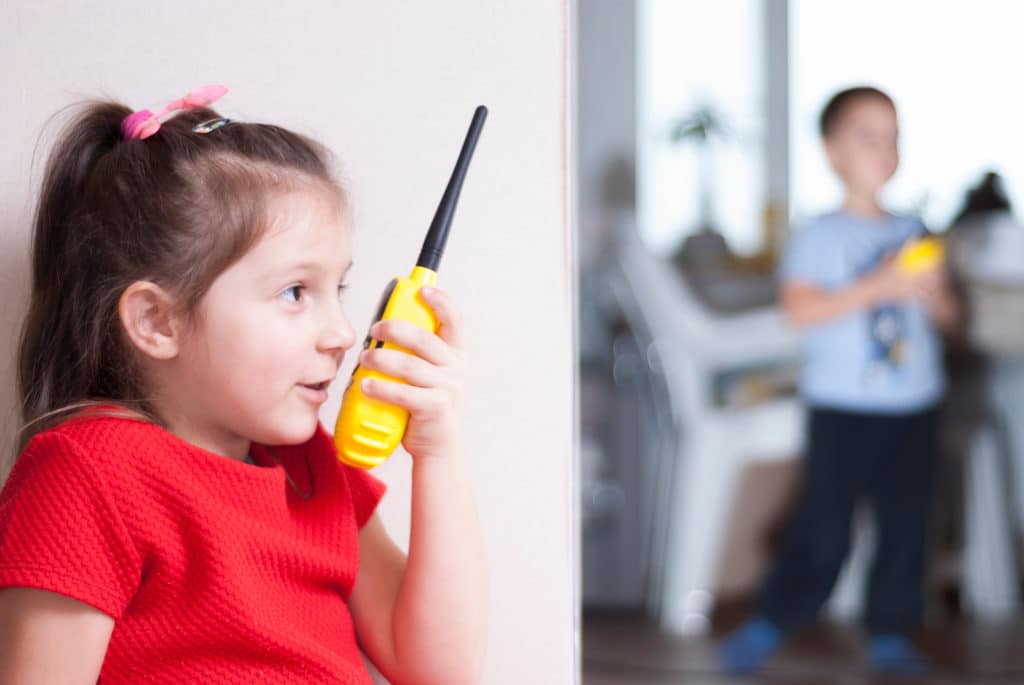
(215, 570)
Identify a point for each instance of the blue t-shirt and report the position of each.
(886, 360)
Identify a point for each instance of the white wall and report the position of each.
(390, 87)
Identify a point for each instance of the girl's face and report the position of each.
(269, 335)
(863, 148)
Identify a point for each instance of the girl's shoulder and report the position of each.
(101, 434)
(105, 448)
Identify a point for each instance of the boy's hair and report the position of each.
(176, 209)
(839, 102)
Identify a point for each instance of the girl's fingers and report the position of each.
(442, 349)
(418, 401)
(448, 315)
(419, 341)
(402, 366)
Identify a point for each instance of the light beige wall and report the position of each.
(390, 86)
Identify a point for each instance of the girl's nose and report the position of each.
(337, 334)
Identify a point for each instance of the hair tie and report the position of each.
(142, 123)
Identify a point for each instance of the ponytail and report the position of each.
(56, 358)
(92, 134)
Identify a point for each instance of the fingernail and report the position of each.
(427, 290)
(365, 384)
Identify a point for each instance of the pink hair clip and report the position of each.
(141, 124)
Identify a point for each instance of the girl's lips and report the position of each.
(316, 394)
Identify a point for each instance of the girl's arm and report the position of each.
(423, 620)
(50, 638)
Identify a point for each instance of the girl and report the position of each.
(177, 513)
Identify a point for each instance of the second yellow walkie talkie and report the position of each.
(368, 430)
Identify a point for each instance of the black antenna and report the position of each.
(437, 236)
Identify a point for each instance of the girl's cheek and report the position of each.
(282, 347)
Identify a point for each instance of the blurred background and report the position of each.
(697, 151)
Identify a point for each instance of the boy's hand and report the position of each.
(930, 284)
(935, 293)
(889, 283)
(434, 375)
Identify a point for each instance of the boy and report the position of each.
(871, 378)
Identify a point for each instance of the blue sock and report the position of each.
(746, 649)
(896, 654)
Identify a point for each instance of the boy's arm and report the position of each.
(806, 304)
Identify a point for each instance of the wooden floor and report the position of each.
(627, 649)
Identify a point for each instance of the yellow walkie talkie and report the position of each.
(368, 430)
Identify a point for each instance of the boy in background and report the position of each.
(872, 379)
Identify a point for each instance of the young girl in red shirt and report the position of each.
(177, 513)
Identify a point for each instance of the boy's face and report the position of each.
(862, 147)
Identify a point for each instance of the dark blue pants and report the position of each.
(889, 462)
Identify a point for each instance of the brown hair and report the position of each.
(176, 209)
(839, 102)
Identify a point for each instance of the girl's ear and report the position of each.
(151, 320)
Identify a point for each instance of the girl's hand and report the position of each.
(434, 375)
(424, 619)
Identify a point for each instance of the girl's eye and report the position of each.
(292, 293)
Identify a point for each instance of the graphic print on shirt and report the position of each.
(887, 334)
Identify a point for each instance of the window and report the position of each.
(695, 53)
(951, 67)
